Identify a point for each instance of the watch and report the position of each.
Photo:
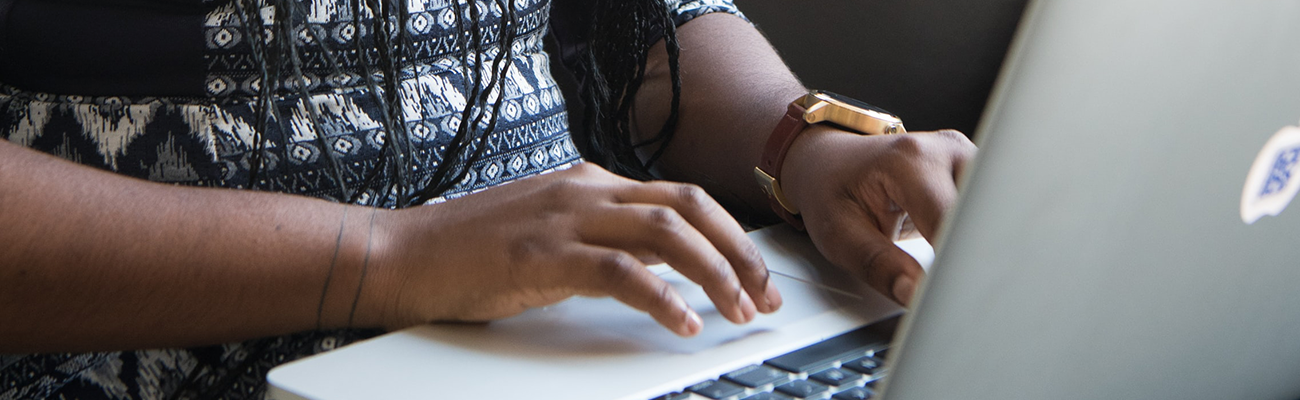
(816, 107)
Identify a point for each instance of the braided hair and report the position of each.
(615, 62)
(615, 59)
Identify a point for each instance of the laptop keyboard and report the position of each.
(845, 367)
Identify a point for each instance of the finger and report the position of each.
(925, 189)
(660, 230)
(885, 214)
(853, 240)
(711, 220)
(620, 275)
(649, 258)
(596, 175)
(926, 202)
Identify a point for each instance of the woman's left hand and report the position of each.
(858, 194)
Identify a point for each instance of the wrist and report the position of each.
(814, 108)
(357, 284)
(807, 162)
(411, 279)
(375, 301)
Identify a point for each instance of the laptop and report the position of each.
(1123, 233)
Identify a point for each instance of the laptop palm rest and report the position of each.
(599, 345)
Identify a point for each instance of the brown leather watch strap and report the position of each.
(791, 125)
(815, 107)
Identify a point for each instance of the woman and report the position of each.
(385, 146)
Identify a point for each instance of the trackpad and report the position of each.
(583, 327)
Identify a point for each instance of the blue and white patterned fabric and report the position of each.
(207, 140)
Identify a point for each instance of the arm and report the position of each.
(96, 261)
(93, 260)
(734, 90)
(855, 192)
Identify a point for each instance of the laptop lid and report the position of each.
(1100, 249)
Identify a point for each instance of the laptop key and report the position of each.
(716, 389)
(874, 379)
(865, 365)
(674, 396)
(757, 375)
(769, 396)
(803, 389)
(856, 393)
(881, 354)
(836, 376)
(825, 354)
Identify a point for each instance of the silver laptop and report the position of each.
(1123, 234)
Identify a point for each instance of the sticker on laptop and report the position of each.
(1274, 179)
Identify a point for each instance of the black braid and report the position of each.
(267, 61)
(470, 66)
(391, 19)
(616, 64)
(616, 60)
(367, 64)
(508, 33)
(301, 84)
(275, 50)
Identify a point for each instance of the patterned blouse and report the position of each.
(163, 90)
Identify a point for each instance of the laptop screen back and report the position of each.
(1100, 250)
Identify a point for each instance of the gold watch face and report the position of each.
(849, 113)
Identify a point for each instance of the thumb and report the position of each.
(855, 244)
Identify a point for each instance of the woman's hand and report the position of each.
(582, 231)
(858, 194)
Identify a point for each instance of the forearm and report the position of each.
(92, 260)
(734, 90)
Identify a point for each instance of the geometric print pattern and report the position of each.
(209, 142)
(228, 371)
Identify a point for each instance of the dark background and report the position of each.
(931, 62)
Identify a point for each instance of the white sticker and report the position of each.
(1274, 179)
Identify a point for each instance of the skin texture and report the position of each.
(89, 266)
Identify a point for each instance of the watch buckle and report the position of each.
(772, 188)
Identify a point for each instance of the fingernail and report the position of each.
(745, 307)
(772, 297)
(904, 287)
(693, 323)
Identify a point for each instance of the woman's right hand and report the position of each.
(582, 231)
